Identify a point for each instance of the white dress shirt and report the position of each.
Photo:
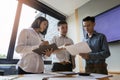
(63, 55)
(28, 40)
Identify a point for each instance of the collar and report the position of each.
(61, 36)
(94, 33)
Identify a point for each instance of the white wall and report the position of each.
(92, 8)
(72, 28)
(113, 60)
(72, 33)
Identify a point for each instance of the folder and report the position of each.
(42, 48)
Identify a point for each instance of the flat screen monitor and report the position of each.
(108, 23)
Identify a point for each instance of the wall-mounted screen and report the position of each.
(108, 23)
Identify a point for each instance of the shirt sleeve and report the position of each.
(72, 41)
(53, 40)
(22, 46)
(103, 51)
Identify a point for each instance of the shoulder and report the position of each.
(23, 31)
(55, 37)
(26, 30)
(100, 34)
(70, 39)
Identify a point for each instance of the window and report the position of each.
(7, 15)
(28, 14)
(52, 29)
(110, 22)
(19, 14)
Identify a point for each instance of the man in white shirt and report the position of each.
(62, 60)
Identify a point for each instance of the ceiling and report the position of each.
(66, 7)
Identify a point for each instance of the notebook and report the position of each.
(42, 48)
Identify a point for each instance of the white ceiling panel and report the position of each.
(66, 7)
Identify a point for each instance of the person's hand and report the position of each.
(48, 52)
(63, 46)
(45, 43)
(84, 55)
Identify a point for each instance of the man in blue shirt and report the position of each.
(95, 60)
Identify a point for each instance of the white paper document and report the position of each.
(81, 47)
(54, 76)
(98, 76)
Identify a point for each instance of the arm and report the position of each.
(104, 50)
(102, 53)
(54, 41)
(22, 46)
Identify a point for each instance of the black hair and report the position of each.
(61, 22)
(89, 18)
(36, 24)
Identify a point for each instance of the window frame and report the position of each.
(38, 6)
